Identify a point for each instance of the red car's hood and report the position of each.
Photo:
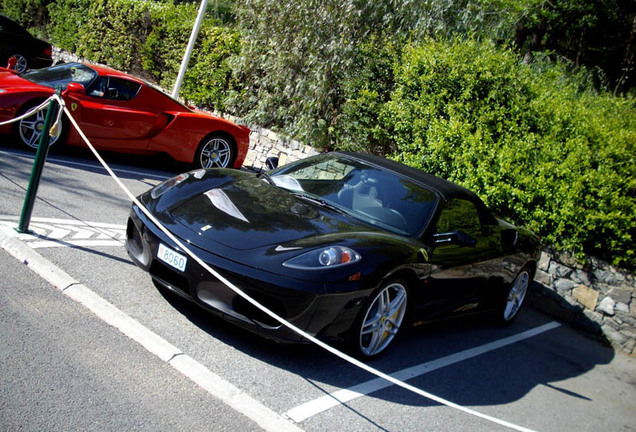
(9, 81)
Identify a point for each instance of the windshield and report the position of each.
(375, 195)
(61, 75)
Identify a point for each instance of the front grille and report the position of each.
(169, 277)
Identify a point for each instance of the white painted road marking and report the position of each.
(56, 233)
(199, 374)
(339, 397)
(152, 342)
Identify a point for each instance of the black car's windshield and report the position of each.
(61, 75)
(377, 196)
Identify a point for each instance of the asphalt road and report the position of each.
(63, 368)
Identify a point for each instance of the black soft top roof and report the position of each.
(439, 185)
(444, 188)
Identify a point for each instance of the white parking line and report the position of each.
(339, 397)
(58, 233)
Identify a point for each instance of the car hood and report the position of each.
(11, 82)
(251, 213)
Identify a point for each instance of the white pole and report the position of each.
(188, 53)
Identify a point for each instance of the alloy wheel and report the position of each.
(215, 153)
(382, 319)
(31, 129)
(516, 295)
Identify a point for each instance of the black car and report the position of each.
(30, 52)
(348, 247)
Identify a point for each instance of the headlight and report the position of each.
(167, 185)
(334, 256)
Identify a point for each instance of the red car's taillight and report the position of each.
(48, 51)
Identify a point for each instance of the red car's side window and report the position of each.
(115, 89)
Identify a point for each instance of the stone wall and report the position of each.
(265, 143)
(595, 297)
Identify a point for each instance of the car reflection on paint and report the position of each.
(348, 247)
(27, 51)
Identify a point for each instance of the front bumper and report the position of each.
(310, 306)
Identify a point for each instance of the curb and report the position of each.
(196, 372)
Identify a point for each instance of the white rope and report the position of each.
(302, 333)
(31, 111)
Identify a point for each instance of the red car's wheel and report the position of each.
(29, 129)
(215, 151)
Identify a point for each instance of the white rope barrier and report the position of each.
(238, 291)
(30, 112)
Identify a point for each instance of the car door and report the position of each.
(115, 114)
(465, 249)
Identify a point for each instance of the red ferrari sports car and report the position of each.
(120, 113)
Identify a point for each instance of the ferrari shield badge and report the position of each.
(73, 106)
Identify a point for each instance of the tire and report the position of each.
(515, 296)
(21, 63)
(380, 320)
(29, 129)
(215, 151)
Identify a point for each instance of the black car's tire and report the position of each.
(28, 130)
(215, 151)
(21, 63)
(379, 320)
(514, 296)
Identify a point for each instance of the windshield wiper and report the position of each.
(321, 202)
(266, 176)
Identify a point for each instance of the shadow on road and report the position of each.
(497, 377)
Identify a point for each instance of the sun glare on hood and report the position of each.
(222, 202)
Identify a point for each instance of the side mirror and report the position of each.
(75, 88)
(458, 238)
(271, 163)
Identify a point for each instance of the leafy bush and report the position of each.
(149, 39)
(32, 14)
(209, 77)
(537, 148)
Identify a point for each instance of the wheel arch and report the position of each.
(222, 134)
(531, 265)
(406, 274)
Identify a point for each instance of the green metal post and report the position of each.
(36, 172)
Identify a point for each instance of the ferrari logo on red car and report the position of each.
(73, 106)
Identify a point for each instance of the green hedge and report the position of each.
(540, 149)
(149, 38)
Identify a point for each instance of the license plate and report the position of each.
(171, 257)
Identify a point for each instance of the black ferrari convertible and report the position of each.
(348, 247)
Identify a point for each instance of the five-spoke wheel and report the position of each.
(29, 129)
(516, 295)
(381, 319)
(215, 151)
(21, 63)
